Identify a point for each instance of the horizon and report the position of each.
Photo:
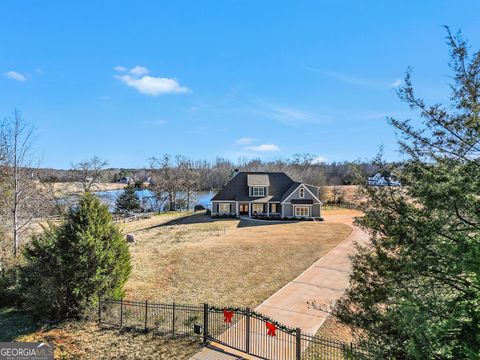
(230, 80)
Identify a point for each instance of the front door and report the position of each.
(243, 209)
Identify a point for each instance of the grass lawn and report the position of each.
(224, 262)
(192, 259)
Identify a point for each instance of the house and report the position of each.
(380, 180)
(126, 180)
(267, 194)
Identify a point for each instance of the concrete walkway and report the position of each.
(324, 282)
(212, 353)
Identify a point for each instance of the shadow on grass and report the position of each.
(203, 218)
(14, 323)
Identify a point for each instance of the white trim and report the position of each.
(220, 211)
(309, 207)
(258, 187)
(305, 187)
(301, 194)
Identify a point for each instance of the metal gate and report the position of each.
(241, 329)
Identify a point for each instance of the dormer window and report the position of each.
(258, 191)
(301, 193)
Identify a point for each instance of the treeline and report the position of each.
(212, 175)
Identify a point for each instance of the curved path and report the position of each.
(323, 282)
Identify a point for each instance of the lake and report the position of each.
(150, 202)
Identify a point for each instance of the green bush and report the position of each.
(69, 266)
(128, 200)
(8, 290)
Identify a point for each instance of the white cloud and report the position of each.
(396, 83)
(139, 71)
(154, 86)
(120, 68)
(283, 114)
(15, 76)
(319, 160)
(245, 140)
(354, 80)
(262, 148)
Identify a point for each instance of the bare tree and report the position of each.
(165, 180)
(189, 180)
(88, 173)
(19, 189)
(338, 194)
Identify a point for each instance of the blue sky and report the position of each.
(129, 80)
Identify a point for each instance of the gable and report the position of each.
(310, 193)
(258, 180)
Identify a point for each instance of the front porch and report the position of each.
(256, 208)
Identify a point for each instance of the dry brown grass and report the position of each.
(90, 341)
(350, 193)
(225, 262)
(333, 329)
(70, 187)
(193, 260)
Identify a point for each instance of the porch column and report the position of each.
(249, 209)
(268, 209)
(236, 208)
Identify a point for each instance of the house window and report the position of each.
(302, 193)
(258, 191)
(223, 208)
(257, 208)
(302, 211)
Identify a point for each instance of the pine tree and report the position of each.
(415, 293)
(68, 267)
(128, 200)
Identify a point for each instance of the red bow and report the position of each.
(271, 328)
(227, 315)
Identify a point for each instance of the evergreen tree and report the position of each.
(69, 266)
(415, 292)
(128, 200)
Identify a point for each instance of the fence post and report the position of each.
(173, 318)
(121, 312)
(146, 315)
(247, 332)
(99, 309)
(205, 323)
(298, 344)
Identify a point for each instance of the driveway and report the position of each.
(323, 282)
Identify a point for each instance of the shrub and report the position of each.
(8, 293)
(69, 266)
(128, 200)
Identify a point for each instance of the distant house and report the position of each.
(271, 194)
(126, 180)
(380, 180)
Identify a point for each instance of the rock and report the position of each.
(130, 238)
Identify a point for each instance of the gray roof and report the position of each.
(258, 180)
(237, 188)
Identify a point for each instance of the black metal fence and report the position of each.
(332, 206)
(241, 329)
